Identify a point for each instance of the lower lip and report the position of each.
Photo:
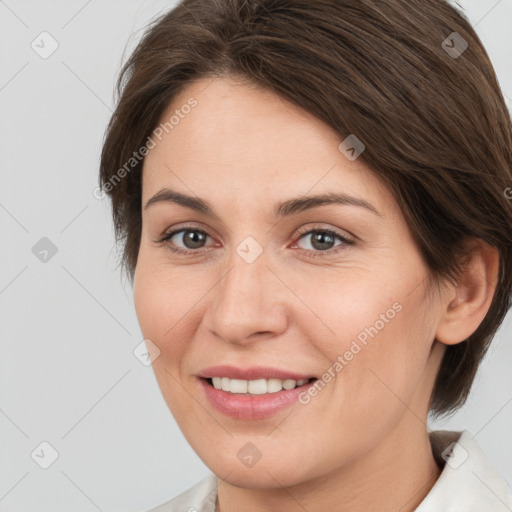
(251, 407)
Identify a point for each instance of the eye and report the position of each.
(191, 238)
(322, 241)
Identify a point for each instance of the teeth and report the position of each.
(237, 386)
(255, 387)
(224, 383)
(274, 385)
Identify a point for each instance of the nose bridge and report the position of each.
(247, 300)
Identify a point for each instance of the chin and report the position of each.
(263, 475)
(264, 478)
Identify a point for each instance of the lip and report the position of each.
(250, 407)
(252, 373)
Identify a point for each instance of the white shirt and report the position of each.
(467, 483)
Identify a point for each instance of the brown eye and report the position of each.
(184, 240)
(191, 238)
(323, 242)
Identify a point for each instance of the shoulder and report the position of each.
(201, 497)
(468, 481)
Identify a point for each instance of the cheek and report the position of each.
(162, 301)
(161, 306)
(170, 306)
(148, 305)
(348, 308)
(375, 336)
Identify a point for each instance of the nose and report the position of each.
(249, 303)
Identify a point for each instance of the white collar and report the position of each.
(467, 482)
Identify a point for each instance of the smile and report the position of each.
(255, 387)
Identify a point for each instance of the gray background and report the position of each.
(67, 372)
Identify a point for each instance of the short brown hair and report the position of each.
(435, 125)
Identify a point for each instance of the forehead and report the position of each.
(243, 139)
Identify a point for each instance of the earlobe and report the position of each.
(467, 304)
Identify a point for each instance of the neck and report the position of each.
(396, 474)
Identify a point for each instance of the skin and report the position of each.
(362, 443)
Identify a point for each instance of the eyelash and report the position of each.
(164, 240)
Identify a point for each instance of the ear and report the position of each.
(467, 303)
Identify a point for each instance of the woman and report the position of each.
(311, 200)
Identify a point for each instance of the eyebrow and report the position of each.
(284, 209)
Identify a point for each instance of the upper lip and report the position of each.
(252, 373)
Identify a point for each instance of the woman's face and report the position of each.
(269, 290)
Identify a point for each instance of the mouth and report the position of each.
(252, 393)
(257, 386)
(253, 399)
